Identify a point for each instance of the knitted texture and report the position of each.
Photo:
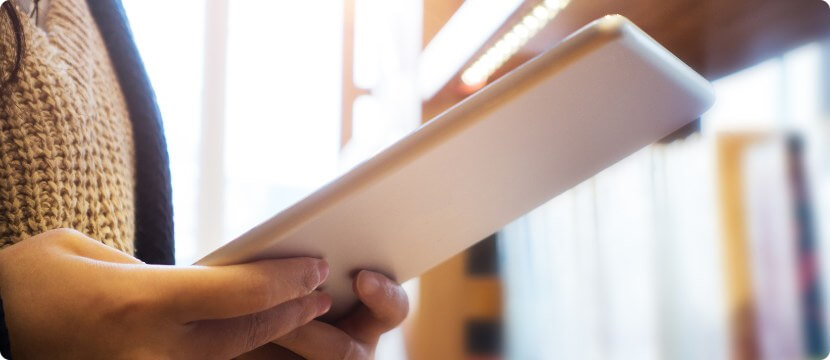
(66, 142)
(153, 206)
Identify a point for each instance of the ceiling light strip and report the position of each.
(512, 41)
(459, 40)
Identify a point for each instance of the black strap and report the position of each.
(153, 207)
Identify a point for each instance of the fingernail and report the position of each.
(323, 271)
(370, 284)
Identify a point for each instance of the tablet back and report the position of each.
(603, 93)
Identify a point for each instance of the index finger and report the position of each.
(221, 292)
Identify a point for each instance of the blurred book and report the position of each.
(789, 312)
(770, 224)
(805, 233)
(741, 305)
(624, 266)
(702, 248)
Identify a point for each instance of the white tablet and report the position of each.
(603, 93)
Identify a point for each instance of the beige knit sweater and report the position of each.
(66, 151)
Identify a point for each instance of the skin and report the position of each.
(67, 296)
(384, 306)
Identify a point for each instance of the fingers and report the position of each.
(270, 351)
(321, 341)
(384, 307)
(221, 292)
(228, 338)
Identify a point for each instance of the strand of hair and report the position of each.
(17, 27)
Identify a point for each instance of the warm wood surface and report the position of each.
(715, 37)
(436, 14)
(449, 298)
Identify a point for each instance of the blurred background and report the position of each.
(710, 244)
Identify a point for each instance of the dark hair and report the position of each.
(17, 27)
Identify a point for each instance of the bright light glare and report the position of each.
(749, 99)
(532, 22)
(511, 42)
(283, 106)
(174, 61)
(541, 12)
(555, 5)
(466, 31)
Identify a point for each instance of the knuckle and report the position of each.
(299, 313)
(400, 303)
(258, 331)
(344, 347)
(290, 337)
(307, 309)
(348, 351)
(160, 353)
(66, 238)
(261, 290)
(395, 307)
(309, 276)
(280, 280)
(403, 309)
(354, 351)
(64, 234)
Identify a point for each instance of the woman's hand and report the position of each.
(67, 296)
(384, 306)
